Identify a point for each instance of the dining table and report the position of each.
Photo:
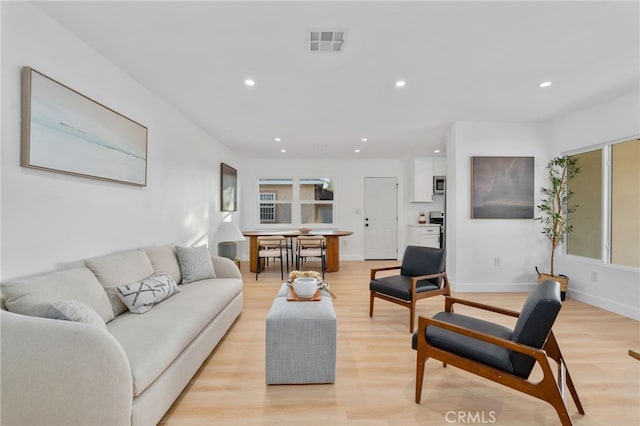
(332, 237)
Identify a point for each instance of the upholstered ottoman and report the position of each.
(300, 341)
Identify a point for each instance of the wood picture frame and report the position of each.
(502, 187)
(67, 132)
(228, 188)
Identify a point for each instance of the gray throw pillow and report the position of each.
(195, 263)
(73, 310)
(142, 296)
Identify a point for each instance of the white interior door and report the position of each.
(380, 218)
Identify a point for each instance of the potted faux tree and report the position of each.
(554, 210)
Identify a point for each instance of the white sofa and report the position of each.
(56, 372)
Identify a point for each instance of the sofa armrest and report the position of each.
(58, 372)
(225, 268)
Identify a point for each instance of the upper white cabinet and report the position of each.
(422, 179)
(439, 166)
(424, 169)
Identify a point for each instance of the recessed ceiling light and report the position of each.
(277, 139)
(356, 150)
(400, 83)
(283, 150)
(364, 139)
(437, 151)
(545, 84)
(249, 82)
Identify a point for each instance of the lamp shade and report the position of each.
(228, 231)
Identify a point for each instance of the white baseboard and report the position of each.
(599, 302)
(492, 287)
(607, 305)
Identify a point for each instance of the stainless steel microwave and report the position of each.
(439, 183)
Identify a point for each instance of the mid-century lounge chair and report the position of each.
(498, 353)
(422, 275)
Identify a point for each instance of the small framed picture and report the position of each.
(228, 188)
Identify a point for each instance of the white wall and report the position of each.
(473, 244)
(616, 288)
(50, 220)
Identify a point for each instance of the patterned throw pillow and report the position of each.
(73, 310)
(195, 263)
(144, 295)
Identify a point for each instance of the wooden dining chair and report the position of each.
(311, 246)
(272, 247)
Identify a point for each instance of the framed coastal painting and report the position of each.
(502, 187)
(228, 188)
(64, 131)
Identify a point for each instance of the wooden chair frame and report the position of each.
(546, 389)
(311, 242)
(415, 295)
(275, 247)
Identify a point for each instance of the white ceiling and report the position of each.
(462, 61)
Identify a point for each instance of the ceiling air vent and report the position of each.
(326, 40)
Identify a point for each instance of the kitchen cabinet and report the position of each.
(439, 166)
(424, 169)
(424, 235)
(422, 180)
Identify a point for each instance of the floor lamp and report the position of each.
(227, 234)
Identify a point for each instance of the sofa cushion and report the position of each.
(195, 263)
(117, 269)
(72, 310)
(154, 340)
(34, 295)
(140, 297)
(164, 259)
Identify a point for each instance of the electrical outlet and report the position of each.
(594, 276)
(496, 262)
(344, 242)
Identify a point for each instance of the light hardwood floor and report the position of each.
(375, 376)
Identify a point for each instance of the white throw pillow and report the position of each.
(33, 295)
(195, 263)
(73, 310)
(164, 259)
(141, 296)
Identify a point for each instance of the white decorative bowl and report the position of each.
(304, 230)
(305, 287)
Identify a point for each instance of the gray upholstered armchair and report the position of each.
(503, 355)
(421, 275)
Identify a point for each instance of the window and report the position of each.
(296, 200)
(625, 203)
(267, 209)
(275, 200)
(586, 238)
(607, 194)
(316, 200)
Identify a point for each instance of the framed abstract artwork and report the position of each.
(64, 131)
(502, 188)
(228, 188)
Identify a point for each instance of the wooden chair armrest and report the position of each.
(450, 301)
(424, 322)
(386, 268)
